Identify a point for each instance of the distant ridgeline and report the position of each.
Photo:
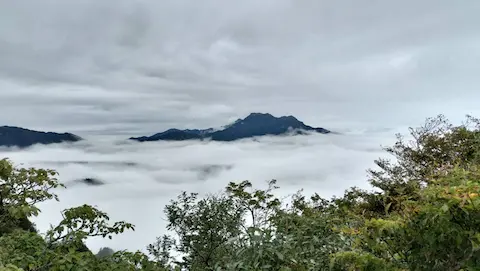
(19, 137)
(255, 124)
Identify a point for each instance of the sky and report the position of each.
(129, 67)
(108, 70)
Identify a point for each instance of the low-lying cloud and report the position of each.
(140, 178)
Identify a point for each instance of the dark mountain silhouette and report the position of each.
(255, 124)
(19, 137)
(176, 134)
(171, 134)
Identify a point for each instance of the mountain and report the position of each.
(255, 124)
(19, 137)
(171, 134)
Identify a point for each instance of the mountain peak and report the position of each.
(255, 124)
(265, 116)
(257, 114)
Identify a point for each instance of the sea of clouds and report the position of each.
(131, 68)
(141, 178)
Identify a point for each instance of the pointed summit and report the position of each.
(259, 115)
(255, 124)
(260, 124)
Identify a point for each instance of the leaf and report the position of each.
(280, 256)
(444, 208)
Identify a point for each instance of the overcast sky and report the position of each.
(119, 68)
(128, 67)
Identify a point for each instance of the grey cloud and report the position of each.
(217, 60)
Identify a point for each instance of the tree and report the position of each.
(424, 215)
(105, 252)
(203, 226)
(433, 150)
(438, 231)
(63, 246)
(20, 190)
(247, 229)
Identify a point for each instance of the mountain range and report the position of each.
(254, 125)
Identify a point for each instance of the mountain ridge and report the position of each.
(255, 124)
(13, 136)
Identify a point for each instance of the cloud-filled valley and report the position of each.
(140, 178)
(109, 70)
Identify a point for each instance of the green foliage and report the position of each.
(433, 150)
(426, 215)
(21, 248)
(20, 191)
(204, 228)
(84, 221)
(105, 252)
(438, 231)
(296, 237)
(62, 248)
(129, 261)
(9, 267)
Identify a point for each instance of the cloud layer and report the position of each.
(108, 70)
(140, 178)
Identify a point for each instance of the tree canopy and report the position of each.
(423, 213)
